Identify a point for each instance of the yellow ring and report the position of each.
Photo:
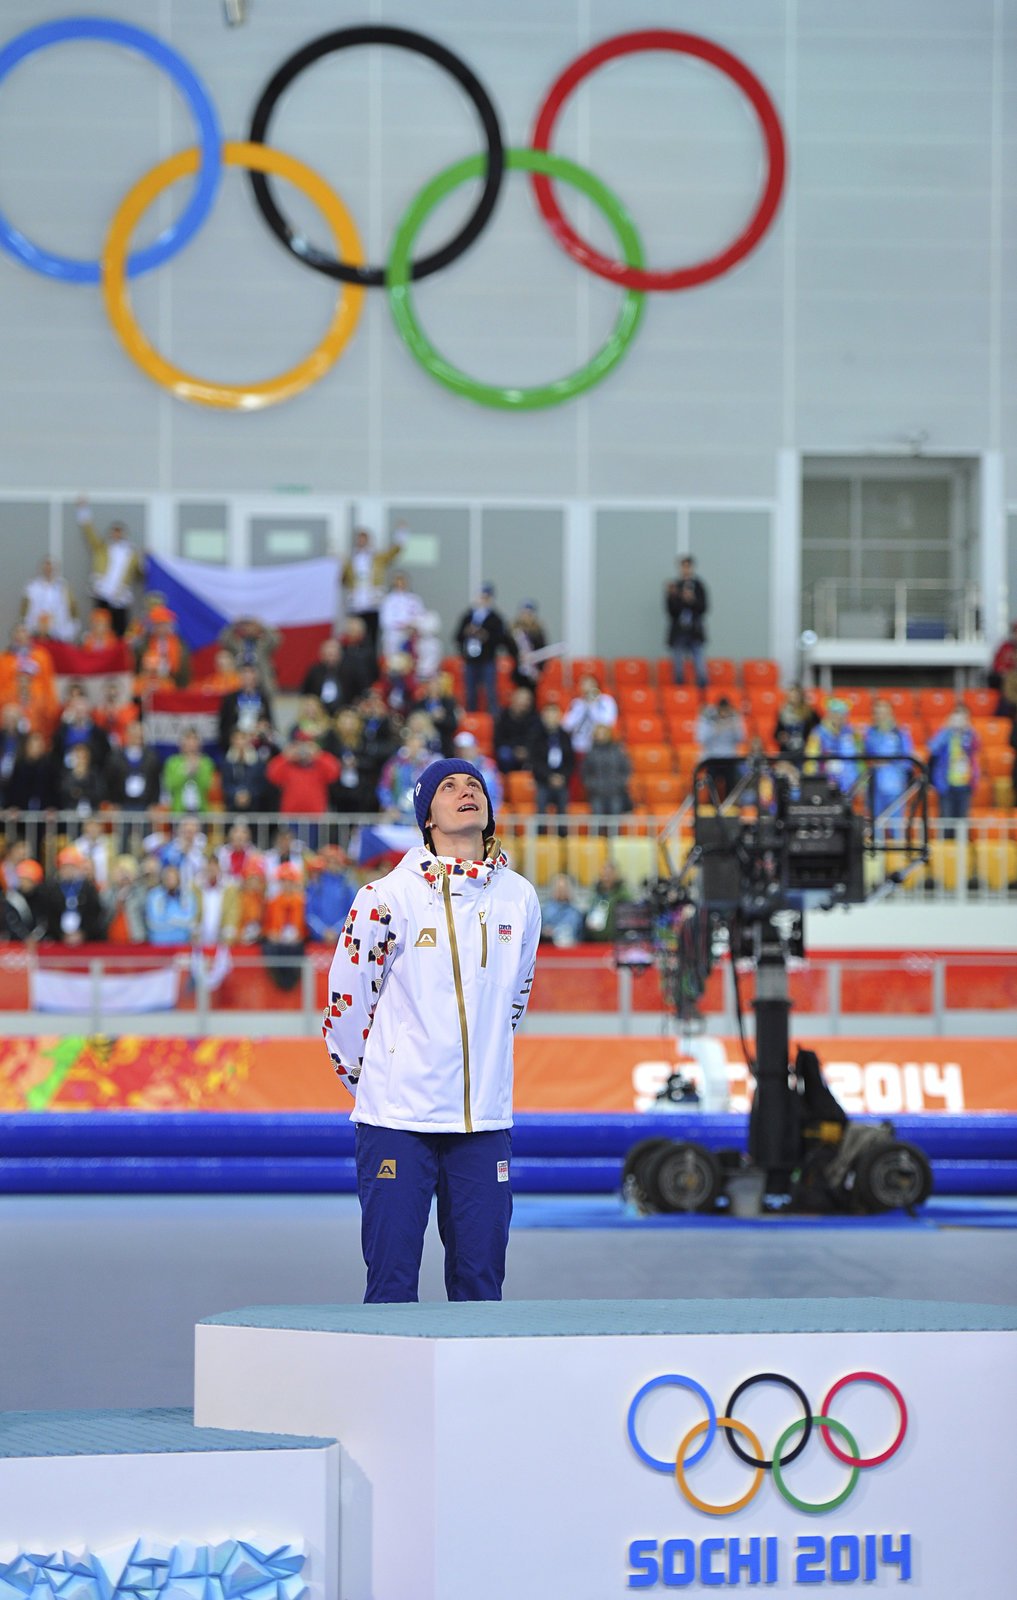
(231, 396)
(679, 1469)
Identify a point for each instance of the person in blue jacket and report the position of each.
(171, 911)
(832, 747)
(888, 778)
(330, 893)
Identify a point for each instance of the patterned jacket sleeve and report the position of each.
(355, 981)
(527, 967)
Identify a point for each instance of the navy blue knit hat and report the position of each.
(436, 773)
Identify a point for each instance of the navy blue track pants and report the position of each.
(398, 1175)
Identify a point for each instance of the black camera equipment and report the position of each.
(781, 842)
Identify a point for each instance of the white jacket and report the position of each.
(430, 978)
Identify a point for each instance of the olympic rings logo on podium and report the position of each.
(117, 266)
(686, 1458)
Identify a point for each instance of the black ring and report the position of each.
(789, 1383)
(405, 39)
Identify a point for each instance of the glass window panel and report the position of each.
(915, 508)
(826, 508)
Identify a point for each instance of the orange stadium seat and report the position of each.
(553, 675)
(720, 670)
(935, 705)
(660, 792)
(902, 700)
(997, 761)
(481, 725)
(682, 728)
(651, 758)
(520, 789)
(631, 672)
(859, 701)
(590, 666)
(723, 691)
(645, 729)
(993, 730)
(760, 674)
(677, 700)
(981, 702)
(636, 700)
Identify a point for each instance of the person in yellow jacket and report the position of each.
(363, 577)
(116, 567)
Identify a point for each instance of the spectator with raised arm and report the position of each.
(117, 568)
(591, 708)
(363, 577)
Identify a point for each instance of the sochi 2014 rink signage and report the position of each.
(485, 1457)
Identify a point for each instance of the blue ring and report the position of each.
(681, 1383)
(68, 268)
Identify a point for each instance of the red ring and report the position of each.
(625, 44)
(871, 1461)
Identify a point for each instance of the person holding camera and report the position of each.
(687, 603)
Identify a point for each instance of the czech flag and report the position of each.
(299, 599)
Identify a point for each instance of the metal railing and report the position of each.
(900, 610)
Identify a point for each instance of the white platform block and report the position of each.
(527, 1452)
(145, 1500)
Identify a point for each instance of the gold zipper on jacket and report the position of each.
(483, 938)
(457, 978)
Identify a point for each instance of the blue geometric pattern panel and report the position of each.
(232, 1570)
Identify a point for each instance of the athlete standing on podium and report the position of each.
(430, 979)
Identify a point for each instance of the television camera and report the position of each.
(779, 842)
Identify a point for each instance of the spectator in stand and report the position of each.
(36, 704)
(186, 850)
(245, 708)
(888, 779)
(606, 773)
(399, 616)
(11, 741)
(163, 662)
(24, 656)
(15, 853)
(171, 910)
(95, 844)
(287, 851)
(480, 635)
(720, 734)
(99, 637)
(23, 918)
(953, 764)
(116, 567)
(555, 763)
(223, 679)
(436, 698)
(123, 903)
(235, 853)
(48, 609)
(832, 747)
(380, 734)
(590, 709)
(77, 726)
(285, 922)
(116, 712)
(519, 736)
(218, 905)
(356, 788)
(333, 679)
(252, 643)
(363, 577)
(330, 894)
(79, 787)
(32, 785)
(303, 774)
(70, 904)
(314, 722)
(466, 748)
(561, 918)
(398, 686)
(251, 915)
(427, 646)
(687, 603)
(244, 784)
(360, 653)
(795, 721)
(528, 635)
(399, 777)
(609, 891)
(419, 722)
(1004, 662)
(188, 776)
(133, 773)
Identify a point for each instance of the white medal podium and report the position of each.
(586, 1450)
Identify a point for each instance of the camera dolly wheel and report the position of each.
(635, 1173)
(684, 1177)
(893, 1176)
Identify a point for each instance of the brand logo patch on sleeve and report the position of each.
(427, 939)
(503, 1171)
(387, 1169)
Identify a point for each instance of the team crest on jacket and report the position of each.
(427, 939)
(504, 932)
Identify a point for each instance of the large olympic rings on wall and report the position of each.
(347, 265)
(418, 44)
(233, 397)
(683, 44)
(547, 394)
(107, 31)
(684, 1458)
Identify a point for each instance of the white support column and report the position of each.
(579, 595)
(992, 547)
(786, 564)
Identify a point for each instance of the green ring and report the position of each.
(803, 1505)
(492, 394)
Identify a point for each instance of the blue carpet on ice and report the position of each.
(607, 1211)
